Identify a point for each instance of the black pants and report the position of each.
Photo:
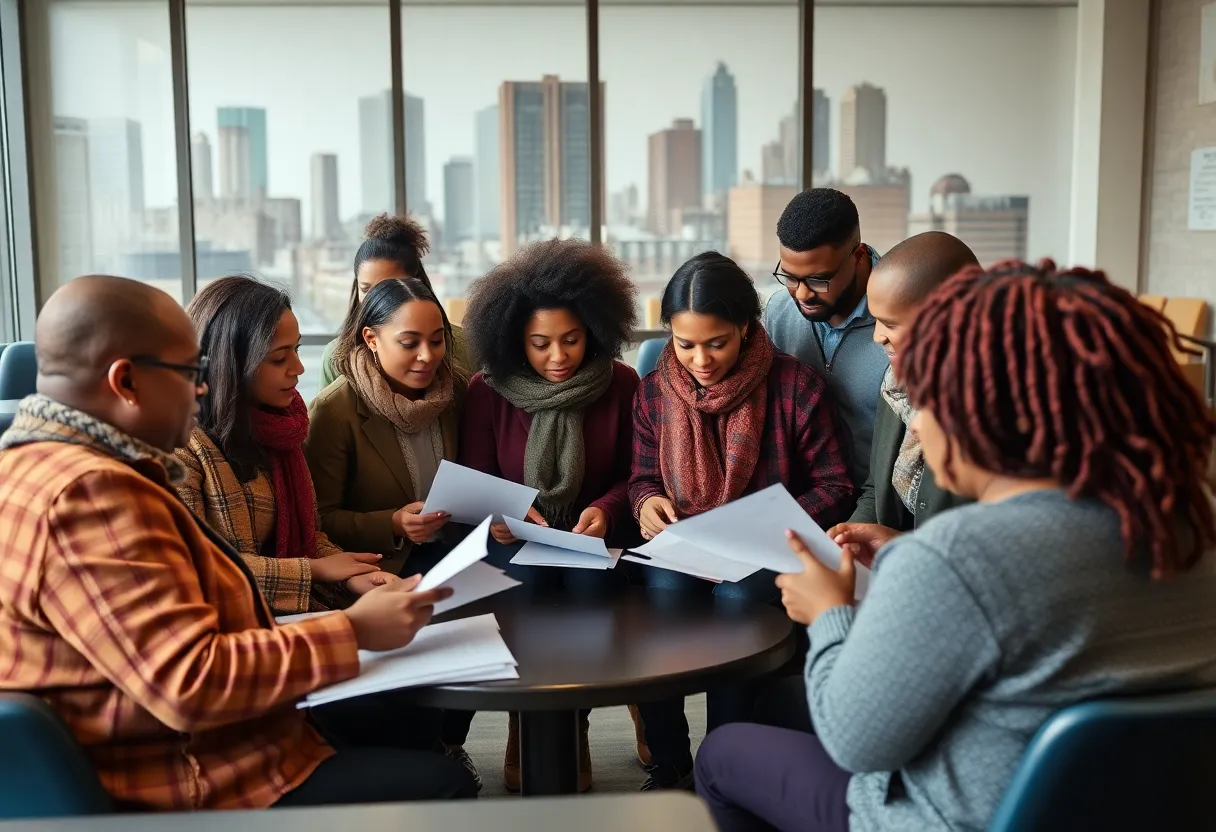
(388, 751)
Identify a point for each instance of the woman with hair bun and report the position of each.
(394, 247)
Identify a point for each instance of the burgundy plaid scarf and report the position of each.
(709, 441)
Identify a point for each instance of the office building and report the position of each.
(285, 215)
(882, 205)
(486, 171)
(623, 207)
(995, 227)
(73, 227)
(376, 170)
(326, 221)
(244, 163)
(545, 159)
(751, 223)
(863, 131)
(201, 172)
(116, 187)
(719, 133)
(459, 200)
(820, 124)
(674, 176)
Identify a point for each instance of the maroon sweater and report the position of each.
(494, 433)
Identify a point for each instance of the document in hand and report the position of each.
(551, 547)
(733, 541)
(462, 571)
(467, 650)
(470, 495)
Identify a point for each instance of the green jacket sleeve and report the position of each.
(328, 376)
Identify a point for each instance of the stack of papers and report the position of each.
(469, 495)
(743, 537)
(468, 650)
(550, 547)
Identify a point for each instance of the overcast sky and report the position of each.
(982, 92)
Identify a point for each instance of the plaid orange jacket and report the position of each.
(143, 630)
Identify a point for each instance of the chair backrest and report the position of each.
(18, 371)
(1137, 763)
(648, 355)
(43, 770)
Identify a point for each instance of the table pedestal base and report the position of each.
(548, 752)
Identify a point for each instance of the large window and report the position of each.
(100, 102)
(940, 119)
(291, 145)
(680, 153)
(497, 131)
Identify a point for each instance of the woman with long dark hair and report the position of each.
(1052, 399)
(722, 416)
(393, 248)
(246, 472)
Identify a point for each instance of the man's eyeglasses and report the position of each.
(817, 284)
(197, 372)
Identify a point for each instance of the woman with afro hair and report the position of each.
(552, 407)
(393, 248)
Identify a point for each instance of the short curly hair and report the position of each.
(817, 217)
(555, 274)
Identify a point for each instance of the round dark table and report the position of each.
(578, 650)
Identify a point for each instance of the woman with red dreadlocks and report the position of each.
(1051, 398)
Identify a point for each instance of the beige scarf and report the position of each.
(910, 463)
(407, 416)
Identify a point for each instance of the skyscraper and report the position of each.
(201, 171)
(326, 221)
(719, 133)
(116, 187)
(74, 233)
(486, 170)
(459, 206)
(674, 177)
(863, 131)
(244, 163)
(995, 227)
(376, 170)
(544, 147)
(821, 120)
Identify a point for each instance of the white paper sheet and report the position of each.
(470, 550)
(479, 580)
(749, 531)
(557, 539)
(466, 650)
(538, 554)
(470, 495)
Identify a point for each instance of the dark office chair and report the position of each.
(648, 355)
(18, 371)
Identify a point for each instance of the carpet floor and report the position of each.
(614, 761)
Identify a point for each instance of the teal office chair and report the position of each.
(1137, 763)
(18, 370)
(43, 770)
(648, 355)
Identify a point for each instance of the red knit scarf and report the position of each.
(709, 441)
(283, 434)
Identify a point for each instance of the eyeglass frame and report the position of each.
(198, 371)
(811, 282)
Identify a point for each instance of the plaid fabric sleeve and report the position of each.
(286, 582)
(818, 451)
(647, 478)
(122, 589)
(190, 490)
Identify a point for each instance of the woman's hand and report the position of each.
(863, 540)
(502, 532)
(336, 568)
(593, 522)
(417, 527)
(361, 584)
(657, 514)
(816, 589)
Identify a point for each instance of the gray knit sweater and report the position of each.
(976, 628)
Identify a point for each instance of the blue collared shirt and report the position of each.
(831, 336)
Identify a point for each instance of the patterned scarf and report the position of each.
(407, 416)
(295, 522)
(42, 419)
(709, 441)
(910, 463)
(555, 456)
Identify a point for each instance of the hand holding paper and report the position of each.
(389, 617)
(817, 588)
(462, 572)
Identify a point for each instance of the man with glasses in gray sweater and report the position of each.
(822, 318)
